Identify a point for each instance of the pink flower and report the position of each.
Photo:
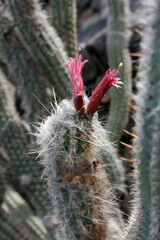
(75, 67)
(108, 81)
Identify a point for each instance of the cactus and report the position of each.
(15, 143)
(78, 159)
(71, 140)
(47, 58)
(144, 225)
(46, 53)
(26, 225)
(155, 180)
(64, 20)
(117, 43)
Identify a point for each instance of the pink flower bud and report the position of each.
(108, 81)
(75, 67)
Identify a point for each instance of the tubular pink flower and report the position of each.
(108, 81)
(75, 67)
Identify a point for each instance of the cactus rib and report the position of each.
(64, 20)
(117, 41)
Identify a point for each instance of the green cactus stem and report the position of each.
(71, 141)
(46, 53)
(15, 142)
(116, 170)
(2, 181)
(155, 179)
(117, 43)
(147, 101)
(77, 177)
(147, 91)
(154, 107)
(8, 230)
(64, 19)
(15, 62)
(28, 224)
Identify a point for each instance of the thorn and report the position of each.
(139, 32)
(130, 175)
(128, 160)
(108, 169)
(135, 55)
(129, 146)
(131, 166)
(135, 68)
(129, 133)
(132, 107)
(133, 118)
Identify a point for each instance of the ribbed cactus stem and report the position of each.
(25, 220)
(2, 179)
(15, 143)
(64, 19)
(77, 177)
(144, 122)
(117, 43)
(154, 106)
(71, 145)
(146, 99)
(46, 50)
(155, 179)
(8, 230)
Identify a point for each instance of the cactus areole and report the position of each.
(75, 67)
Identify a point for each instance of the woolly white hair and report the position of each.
(59, 163)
